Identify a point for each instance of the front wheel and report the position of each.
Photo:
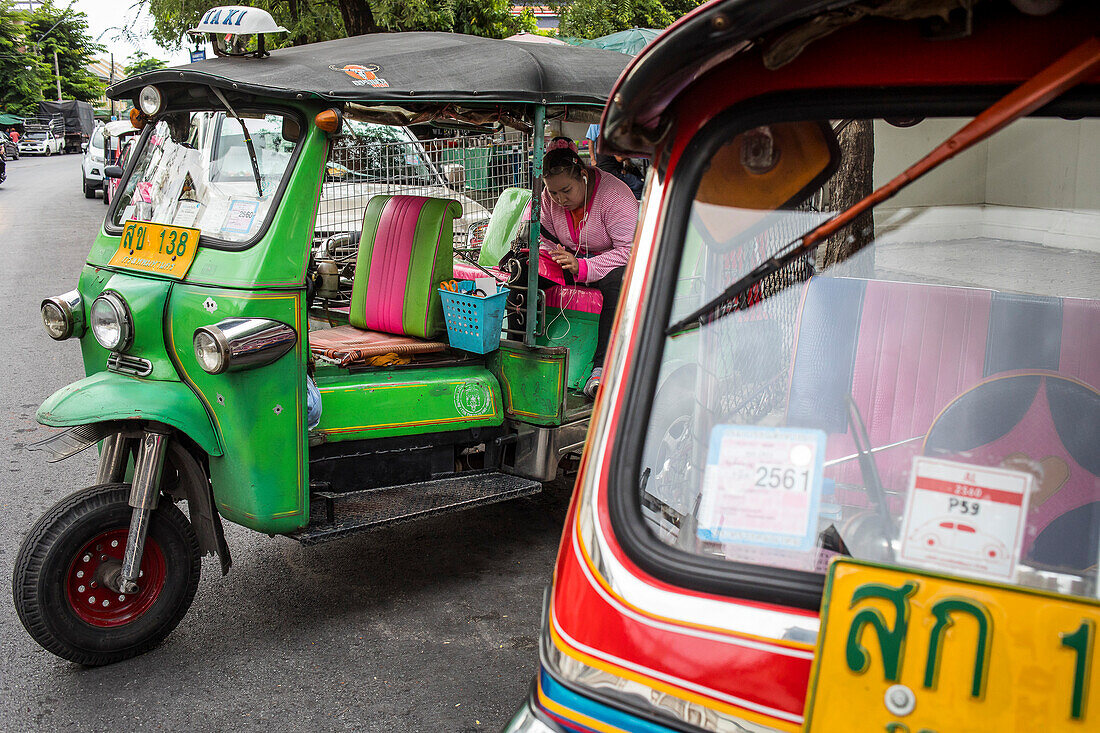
(65, 567)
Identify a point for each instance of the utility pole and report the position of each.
(112, 115)
(57, 73)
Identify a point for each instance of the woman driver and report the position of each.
(593, 215)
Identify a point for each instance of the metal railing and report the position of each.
(380, 160)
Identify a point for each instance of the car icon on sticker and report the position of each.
(958, 538)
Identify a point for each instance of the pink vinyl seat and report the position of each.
(405, 251)
(910, 356)
(560, 295)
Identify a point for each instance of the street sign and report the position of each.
(198, 55)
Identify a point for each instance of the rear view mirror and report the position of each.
(770, 167)
(113, 171)
(83, 147)
(291, 129)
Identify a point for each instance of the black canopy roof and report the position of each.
(408, 67)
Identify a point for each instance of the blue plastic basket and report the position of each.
(473, 322)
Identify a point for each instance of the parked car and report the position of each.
(41, 142)
(91, 168)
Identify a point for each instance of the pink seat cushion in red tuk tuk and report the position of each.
(904, 351)
(405, 251)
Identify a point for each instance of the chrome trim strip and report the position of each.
(126, 364)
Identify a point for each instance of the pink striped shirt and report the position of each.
(605, 239)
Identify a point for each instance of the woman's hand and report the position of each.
(566, 259)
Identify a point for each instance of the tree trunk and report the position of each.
(358, 17)
(852, 182)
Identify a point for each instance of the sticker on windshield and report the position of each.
(966, 519)
(186, 214)
(242, 216)
(762, 487)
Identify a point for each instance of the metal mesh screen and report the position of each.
(372, 160)
(748, 351)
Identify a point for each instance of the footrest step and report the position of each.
(339, 515)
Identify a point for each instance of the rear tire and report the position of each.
(59, 572)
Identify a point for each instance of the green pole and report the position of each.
(536, 213)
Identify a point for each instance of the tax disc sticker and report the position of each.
(762, 487)
(966, 519)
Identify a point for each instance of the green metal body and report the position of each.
(252, 423)
(106, 396)
(533, 382)
(576, 331)
(382, 404)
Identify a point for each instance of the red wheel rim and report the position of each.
(96, 604)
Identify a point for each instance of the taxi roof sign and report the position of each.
(231, 27)
(238, 20)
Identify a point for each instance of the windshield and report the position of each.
(36, 136)
(931, 400)
(195, 170)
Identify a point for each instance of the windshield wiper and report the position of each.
(247, 140)
(1048, 84)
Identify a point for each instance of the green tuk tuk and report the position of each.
(295, 212)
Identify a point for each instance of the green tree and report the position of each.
(141, 62)
(595, 18)
(310, 21)
(20, 71)
(49, 30)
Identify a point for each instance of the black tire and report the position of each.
(89, 189)
(57, 542)
(106, 200)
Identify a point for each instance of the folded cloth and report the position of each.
(348, 344)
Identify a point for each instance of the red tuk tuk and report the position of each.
(844, 473)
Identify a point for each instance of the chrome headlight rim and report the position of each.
(221, 346)
(122, 315)
(245, 343)
(71, 307)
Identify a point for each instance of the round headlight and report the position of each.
(57, 325)
(210, 351)
(110, 322)
(63, 315)
(150, 100)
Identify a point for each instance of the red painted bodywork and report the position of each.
(1005, 51)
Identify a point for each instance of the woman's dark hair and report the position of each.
(562, 160)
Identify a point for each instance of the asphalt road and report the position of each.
(430, 626)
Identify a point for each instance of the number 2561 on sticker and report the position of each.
(762, 486)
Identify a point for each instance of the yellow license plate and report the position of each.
(904, 651)
(158, 248)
